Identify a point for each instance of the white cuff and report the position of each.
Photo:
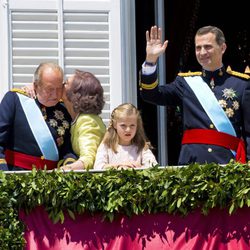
(148, 70)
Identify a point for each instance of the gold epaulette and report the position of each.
(235, 73)
(189, 73)
(3, 161)
(20, 91)
(149, 86)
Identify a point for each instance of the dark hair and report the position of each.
(86, 93)
(219, 35)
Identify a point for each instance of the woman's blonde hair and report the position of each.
(111, 138)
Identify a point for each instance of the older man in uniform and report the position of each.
(215, 102)
(35, 132)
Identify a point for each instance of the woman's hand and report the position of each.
(77, 165)
(29, 90)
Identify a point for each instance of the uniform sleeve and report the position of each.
(7, 111)
(90, 135)
(246, 117)
(101, 157)
(148, 158)
(67, 155)
(167, 94)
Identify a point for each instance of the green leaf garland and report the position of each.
(175, 190)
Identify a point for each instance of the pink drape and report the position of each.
(195, 231)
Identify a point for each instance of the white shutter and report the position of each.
(77, 34)
(34, 39)
(86, 47)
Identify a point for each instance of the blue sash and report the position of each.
(210, 104)
(39, 128)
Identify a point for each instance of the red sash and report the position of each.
(214, 137)
(26, 161)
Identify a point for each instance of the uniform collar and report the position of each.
(217, 76)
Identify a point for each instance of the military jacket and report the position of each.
(232, 90)
(16, 134)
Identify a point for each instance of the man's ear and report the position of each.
(34, 86)
(223, 48)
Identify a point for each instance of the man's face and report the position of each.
(208, 52)
(49, 90)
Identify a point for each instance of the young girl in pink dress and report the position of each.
(124, 144)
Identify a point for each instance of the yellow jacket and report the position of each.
(87, 132)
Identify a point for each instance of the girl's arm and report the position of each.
(101, 159)
(148, 158)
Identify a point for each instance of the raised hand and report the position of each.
(154, 46)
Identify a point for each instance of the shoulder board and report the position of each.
(197, 73)
(20, 91)
(241, 75)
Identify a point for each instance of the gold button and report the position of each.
(211, 125)
(210, 150)
(42, 157)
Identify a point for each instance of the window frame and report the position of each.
(122, 41)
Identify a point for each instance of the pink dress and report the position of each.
(105, 156)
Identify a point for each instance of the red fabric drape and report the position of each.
(218, 230)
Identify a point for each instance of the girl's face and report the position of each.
(126, 128)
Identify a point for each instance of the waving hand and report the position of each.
(154, 47)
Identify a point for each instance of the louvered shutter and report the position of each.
(34, 39)
(86, 47)
(77, 34)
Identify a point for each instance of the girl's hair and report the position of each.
(111, 138)
(86, 93)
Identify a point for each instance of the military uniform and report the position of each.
(232, 90)
(18, 145)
